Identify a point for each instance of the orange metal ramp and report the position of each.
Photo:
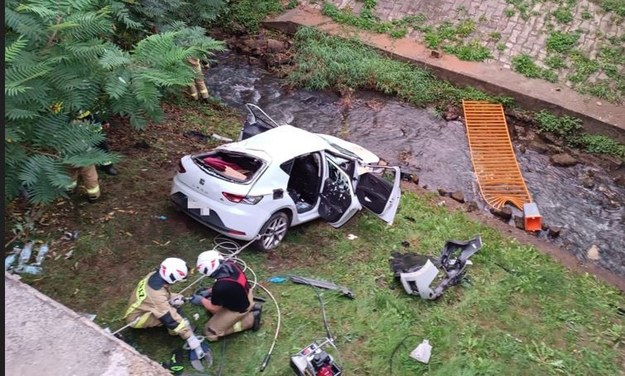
(494, 161)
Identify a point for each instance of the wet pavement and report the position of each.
(420, 141)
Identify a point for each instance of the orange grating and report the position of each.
(494, 162)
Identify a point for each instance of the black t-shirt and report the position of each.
(230, 295)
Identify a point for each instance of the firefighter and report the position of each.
(98, 124)
(152, 304)
(230, 300)
(198, 84)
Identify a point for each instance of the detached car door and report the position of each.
(338, 201)
(378, 190)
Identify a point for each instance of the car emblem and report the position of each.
(201, 181)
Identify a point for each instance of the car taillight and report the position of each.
(250, 200)
(181, 167)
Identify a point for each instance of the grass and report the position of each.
(563, 15)
(569, 129)
(329, 62)
(539, 319)
(525, 65)
(519, 313)
(559, 41)
(247, 15)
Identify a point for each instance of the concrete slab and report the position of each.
(599, 117)
(43, 337)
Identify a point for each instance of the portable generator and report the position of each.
(314, 361)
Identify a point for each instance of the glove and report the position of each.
(176, 300)
(195, 345)
(205, 292)
(197, 300)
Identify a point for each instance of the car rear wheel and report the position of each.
(273, 231)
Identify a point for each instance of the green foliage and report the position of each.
(586, 15)
(525, 65)
(158, 15)
(60, 60)
(563, 15)
(616, 6)
(495, 36)
(472, 51)
(509, 12)
(562, 126)
(247, 15)
(559, 41)
(329, 62)
(601, 144)
(555, 61)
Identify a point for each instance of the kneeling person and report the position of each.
(152, 303)
(230, 300)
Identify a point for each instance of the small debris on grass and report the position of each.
(277, 279)
(352, 237)
(422, 352)
(69, 254)
(89, 316)
(161, 217)
(196, 316)
(411, 219)
(405, 243)
(67, 235)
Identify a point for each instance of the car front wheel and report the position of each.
(273, 231)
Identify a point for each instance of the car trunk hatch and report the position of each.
(217, 172)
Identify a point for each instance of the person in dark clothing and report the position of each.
(100, 125)
(230, 300)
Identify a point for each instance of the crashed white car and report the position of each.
(278, 176)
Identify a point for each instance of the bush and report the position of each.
(563, 126)
(60, 59)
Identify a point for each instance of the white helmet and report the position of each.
(173, 270)
(209, 261)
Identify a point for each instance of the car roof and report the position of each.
(280, 144)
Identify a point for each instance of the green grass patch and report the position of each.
(563, 15)
(367, 21)
(495, 36)
(601, 144)
(326, 62)
(525, 65)
(562, 126)
(555, 61)
(559, 41)
(538, 319)
(509, 12)
(472, 51)
(248, 14)
(615, 6)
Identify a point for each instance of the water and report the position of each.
(438, 151)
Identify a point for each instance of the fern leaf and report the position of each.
(11, 52)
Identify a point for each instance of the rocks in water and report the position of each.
(504, 213)
(522, 149)
(554, 231)
(519, 222)
(471, 206)
(458, 196)
(411, 177)
(619, 178)
(443, 192)
(587, 179)
(539, 146)
(593, 253)
(563, 160)
(451, 114)
(274, 46)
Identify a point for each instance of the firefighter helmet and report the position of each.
(173, 270)
(209, 261)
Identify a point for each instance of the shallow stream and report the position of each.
(437, 151)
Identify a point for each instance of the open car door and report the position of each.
(338, 201)
(378, 190)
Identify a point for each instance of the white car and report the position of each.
(278, 176)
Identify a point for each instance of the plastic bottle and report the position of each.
(422, 352)
(30, 269)
(9, 261)
(26, 253)
(41, 255)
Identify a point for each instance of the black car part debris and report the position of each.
(312, 360)
(322, 284)
(417, 272)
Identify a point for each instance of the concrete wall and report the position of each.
(43, 337)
